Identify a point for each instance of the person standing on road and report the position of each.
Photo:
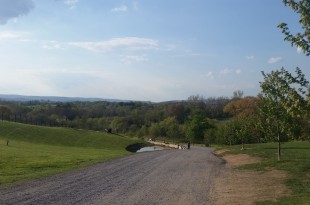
(188, 145)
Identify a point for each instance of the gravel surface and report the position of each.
(159, 177)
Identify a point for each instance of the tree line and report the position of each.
(168, 120)
(279, 113)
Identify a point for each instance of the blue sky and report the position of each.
(143, 49)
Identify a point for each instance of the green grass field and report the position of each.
(295, 160)
(35, 152)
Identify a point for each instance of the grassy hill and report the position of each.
(35, 151)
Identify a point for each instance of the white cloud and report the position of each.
(52, 45)
(13, 35)
(250, 57)
(273, 60)
(238, 71)
(71, 3)
(225, 71)
(120, 9)
(9, 35)
(11, 9)
(127, 42)
(132, 59)
(210, 75)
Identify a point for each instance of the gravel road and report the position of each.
(159, 177)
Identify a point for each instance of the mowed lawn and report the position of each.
(35, 152)
(295, 160)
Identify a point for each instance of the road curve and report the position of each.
(160, 177)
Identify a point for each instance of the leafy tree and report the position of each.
(227, 132)
(283, 101)
(196, 103)
(242, 107)
(211, 133)
(300, 39)
(196, 127)
(245, 115)
(155, 131)
(214, 107)
(5, 112)
(174, 132)
(179, 111)
(143, 131)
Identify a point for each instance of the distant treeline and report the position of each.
(221, 120)
(143, 119)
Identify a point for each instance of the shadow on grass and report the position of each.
(282, 148)
(135, 147)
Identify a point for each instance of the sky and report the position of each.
(144, 50)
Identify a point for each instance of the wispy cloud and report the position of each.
(120, 9)
(11, 35)
(210, 75)
(52, 45)
(273, 60)
(71, 3)
(11, 9)
(250, 57)
(238, 71)
(127, 42)
(133, 59)
(225, 71)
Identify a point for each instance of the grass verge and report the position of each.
(35, 152)
(295, 160)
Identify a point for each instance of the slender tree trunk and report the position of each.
(279, 147)
(279, 143)
(242, 143)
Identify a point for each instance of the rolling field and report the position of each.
(35, 152)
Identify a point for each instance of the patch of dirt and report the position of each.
(234, 186)
(220, 151)
(240, 159)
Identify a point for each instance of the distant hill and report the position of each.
(24, 98)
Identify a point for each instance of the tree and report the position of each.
(178, 110)
(196, 103)
(214, 107)
(227, 132)
(300, 39)
(237, 94)
(196, 127)
(283, 101)
(5, 112)
(245, 115)
(155, 131)
(242, 107)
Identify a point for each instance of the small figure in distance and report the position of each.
(188, 145)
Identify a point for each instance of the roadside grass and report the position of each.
(35, 152)
(295, 160)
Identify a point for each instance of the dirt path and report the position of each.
(235, 186)
(161, 177)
